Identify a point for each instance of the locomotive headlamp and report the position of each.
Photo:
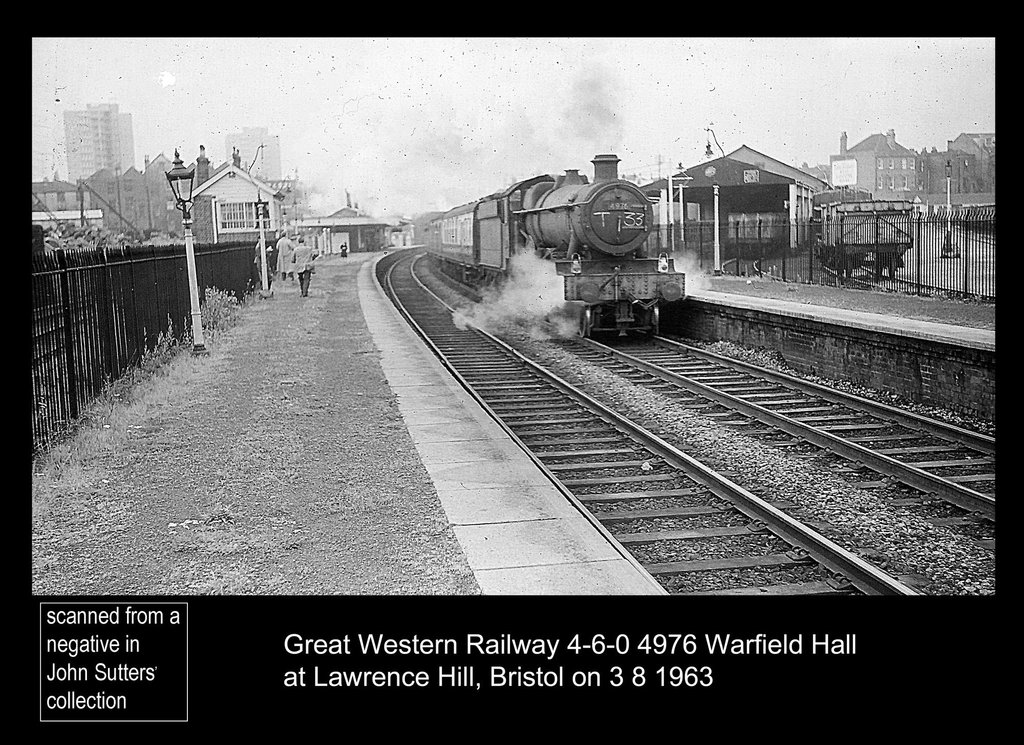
(577, 266)
(182, 181)
(671, 291)
(663, 263)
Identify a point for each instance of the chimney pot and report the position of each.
(202, 166)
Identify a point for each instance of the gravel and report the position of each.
(861, 520)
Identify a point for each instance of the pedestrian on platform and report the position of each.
(256, 278)
(285, 249)
(302, 264)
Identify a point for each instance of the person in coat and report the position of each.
(302, 264)
(285, 249)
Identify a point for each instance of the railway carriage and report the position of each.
(594, 232)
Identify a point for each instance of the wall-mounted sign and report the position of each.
(751, 177)
(844, 172)
(710, 171)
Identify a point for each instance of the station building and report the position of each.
(348, 227)
(760, 199)
(225, 203)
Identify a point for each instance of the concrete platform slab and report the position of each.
(487, 475)
(595, 578)
(501, 505)
(481, 452)
(532, 543)
(467, 431)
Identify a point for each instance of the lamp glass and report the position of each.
(181, 180)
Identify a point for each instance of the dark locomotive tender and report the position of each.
(596, 234)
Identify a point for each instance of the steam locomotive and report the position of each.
(595, 233)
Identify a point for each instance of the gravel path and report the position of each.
(278, 465)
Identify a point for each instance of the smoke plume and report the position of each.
(696, 278)
(530, 300)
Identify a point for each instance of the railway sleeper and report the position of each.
(682, 535)
(791, 558)
(810, 588)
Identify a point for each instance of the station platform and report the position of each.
(929, 351)
(518, 532)
(318, 449)
(879, 323)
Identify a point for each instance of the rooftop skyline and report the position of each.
(415, 124)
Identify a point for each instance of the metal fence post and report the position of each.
(920, 219)
(109, 344)
(965, 239)
(70, 377)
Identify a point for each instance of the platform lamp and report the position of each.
(683, 180)
(182, 181)
(261, 210)
(710, 153)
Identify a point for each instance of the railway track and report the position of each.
(689, 527)
(937, 459)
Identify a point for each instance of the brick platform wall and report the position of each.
(927, 372)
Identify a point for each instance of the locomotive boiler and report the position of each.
(595, 233)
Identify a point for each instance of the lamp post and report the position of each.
(718, 242)
(947, 241)
(182, 180)
(683, 179)
(261, 207)
(671, 217)
(710, 153)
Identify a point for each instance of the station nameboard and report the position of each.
(844, 172)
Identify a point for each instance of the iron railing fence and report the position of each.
(952, 255)
(95, 314)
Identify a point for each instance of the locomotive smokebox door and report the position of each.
(616, 221)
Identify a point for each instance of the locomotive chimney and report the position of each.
(606, 167)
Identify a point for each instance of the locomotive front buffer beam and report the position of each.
(623, 295)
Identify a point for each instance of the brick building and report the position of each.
(136, 201)
(58, 196)
(880, 165)
(887, 170)
(225, 203)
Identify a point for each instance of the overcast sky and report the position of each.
(415, 124)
